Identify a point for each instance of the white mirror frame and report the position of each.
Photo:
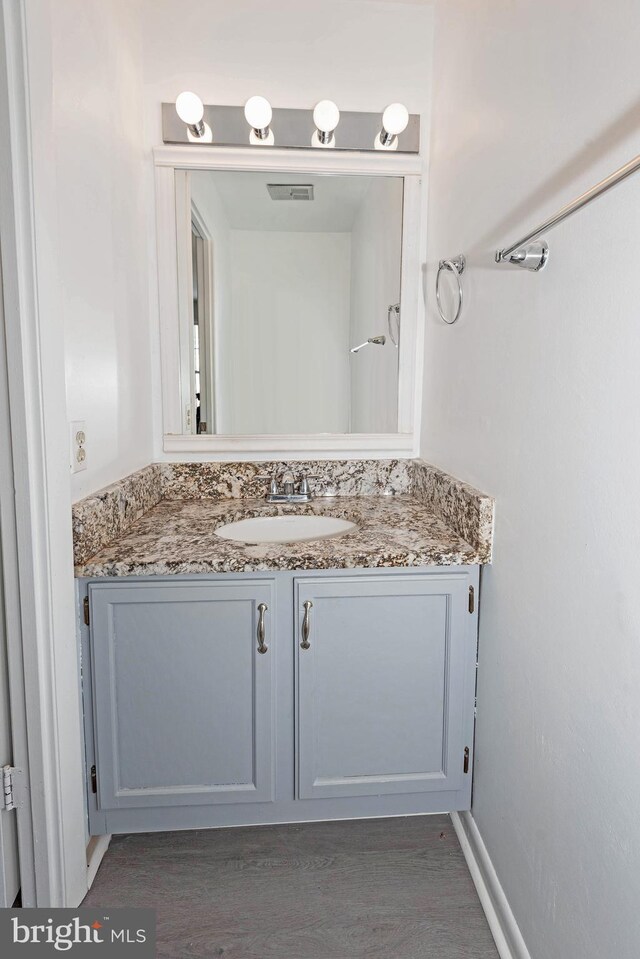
(174, 346)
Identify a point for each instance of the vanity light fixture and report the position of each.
(187, 121)
(394, 120)
(190, 109)
(258, 113)
(326, 117)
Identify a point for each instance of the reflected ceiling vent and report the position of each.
(290, 191)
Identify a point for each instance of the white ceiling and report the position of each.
(248, 206)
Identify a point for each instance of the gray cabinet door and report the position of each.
(183, 699)
(381, 686)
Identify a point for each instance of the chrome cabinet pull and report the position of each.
(306, 625)
(262, 608)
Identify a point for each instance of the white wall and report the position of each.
(376, 245)
(286, 363)
(533, 396)
(101, 232)
(361, 53)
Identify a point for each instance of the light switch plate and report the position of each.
(78, 438)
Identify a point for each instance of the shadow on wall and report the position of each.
(597, 149)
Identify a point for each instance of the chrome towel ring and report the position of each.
(394, 310)
(456, 266)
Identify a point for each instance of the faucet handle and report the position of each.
(304, 482)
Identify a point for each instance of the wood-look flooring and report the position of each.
(375, 888)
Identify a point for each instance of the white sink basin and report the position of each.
(284, 529)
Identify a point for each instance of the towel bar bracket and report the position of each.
(532, 257)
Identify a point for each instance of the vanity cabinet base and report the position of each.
(167, 819)
(227, 700)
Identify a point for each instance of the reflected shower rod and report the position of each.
(533, 256)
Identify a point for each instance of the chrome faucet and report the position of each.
(288, 483)
(286, 493)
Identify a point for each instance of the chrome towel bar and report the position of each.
(533, 256)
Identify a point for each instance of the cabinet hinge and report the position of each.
(94, 780)
(472, 599)
(465, 765)
(87, 614)
(10, 775)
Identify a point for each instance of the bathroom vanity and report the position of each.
(235, 681)
(259, 679)
(226, 683)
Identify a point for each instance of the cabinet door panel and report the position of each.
(182, 697)
(380, 689)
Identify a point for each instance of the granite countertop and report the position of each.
(178, 537)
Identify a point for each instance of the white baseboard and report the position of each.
(96, 849)
(504, 928)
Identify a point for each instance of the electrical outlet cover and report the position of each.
(78, 442)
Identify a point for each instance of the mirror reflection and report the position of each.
(293, 313)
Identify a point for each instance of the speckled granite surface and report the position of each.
(178, 537)
(162, 519)
(104, 516)
(464, 509)
(101, 518)
(239, 480)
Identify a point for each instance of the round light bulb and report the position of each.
(258, 112)
(326, 116)
(189, 108)
(395, 118)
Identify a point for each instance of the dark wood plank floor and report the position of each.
(377, 888)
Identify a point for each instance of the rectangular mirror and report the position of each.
(290, 301)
